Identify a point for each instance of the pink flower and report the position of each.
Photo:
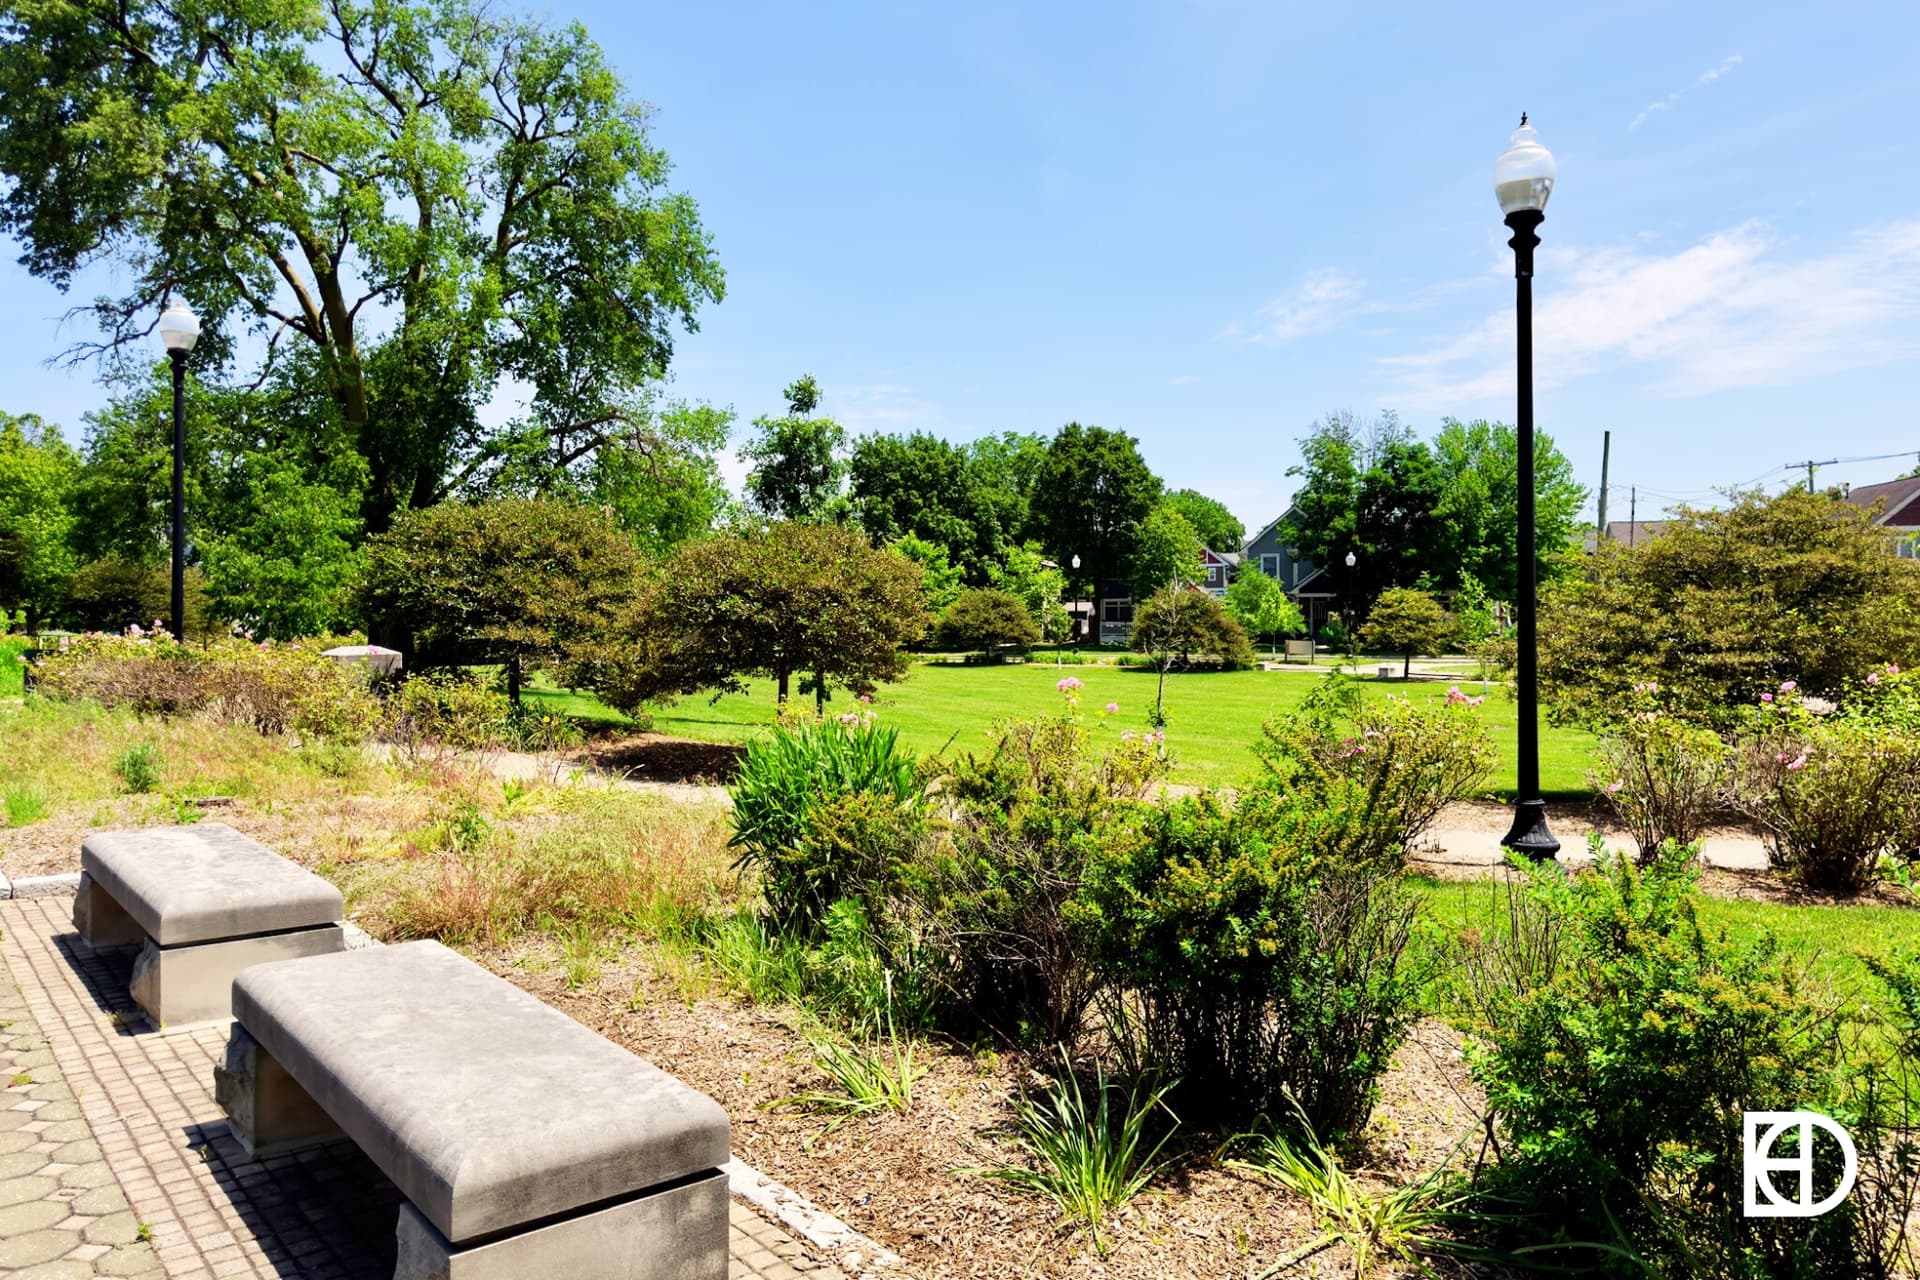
(1614, 788)
(1766, 697)
(1069, 685)
(1476, 700)
(1113, 708)
(1788, 686)
(1127, 736)
(1893, 668)
(866, 697)
(1798, 763)
(1455, 697)
(1873, 677)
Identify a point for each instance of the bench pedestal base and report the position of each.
(267, 1110)
(101, 921)
(679, 1234)
(194, 983)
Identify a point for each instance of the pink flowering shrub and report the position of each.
(1836, 789)
(1663, 777)
(271, 688)
(1405, 762)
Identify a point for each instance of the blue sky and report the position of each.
(1208, 224)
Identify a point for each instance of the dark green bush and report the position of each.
(1254, 960)
(1619, 1041)
(999, 901)
(816, 805)
(986, 621)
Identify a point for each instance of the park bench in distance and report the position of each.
(527, 1145)
(201, 902)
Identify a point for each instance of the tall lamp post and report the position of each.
(1522, 181)
(1076, 604)
(179, 328)
(1346, 621)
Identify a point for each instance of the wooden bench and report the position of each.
(201, 903)
(526, 1144)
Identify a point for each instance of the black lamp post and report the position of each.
(1346, 614)
(1522, 181)
(179, 328)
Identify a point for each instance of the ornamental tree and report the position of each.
(1260, 604)
(773, 601)
(986, 621)
(518, 581)
(1408, 621)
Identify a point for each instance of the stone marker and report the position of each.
(201, 903)
(526, 1144)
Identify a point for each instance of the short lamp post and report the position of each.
(1076, 606)
(1346, 623)
(179, 328)
(1522, 181)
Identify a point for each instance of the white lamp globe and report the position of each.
(179, 327)
(1523, 175)
(1351, 560)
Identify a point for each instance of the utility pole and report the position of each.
(1633, 513)
(1811, 463)
(1606, 457)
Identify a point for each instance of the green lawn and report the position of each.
(13, 674)
(1214, 717)
(1830, 939)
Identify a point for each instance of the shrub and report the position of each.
(1333, 632)
(1408, 622)
(1405, 763)
(987, 620)
(1837, 795)
(1261, 962)
(1663, 777)
(812, 801)
(1178, 624)
(444, 711)
(24, 804)
(1618, 1070)
(273, 688)
(998, 903)
(139, 768)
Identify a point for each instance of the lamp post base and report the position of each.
(1529, 835)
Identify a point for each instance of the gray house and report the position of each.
(1303, 580)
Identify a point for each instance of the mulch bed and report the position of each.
(654, 757)
(898, 1178)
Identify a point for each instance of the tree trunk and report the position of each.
(780, 676)
(819, 693)
(513, 680)
(1406, 672)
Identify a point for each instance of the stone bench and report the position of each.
(201, 903)
(526, 1144)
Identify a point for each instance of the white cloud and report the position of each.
(1733, 311)
(1705, 78)
(1325, 298)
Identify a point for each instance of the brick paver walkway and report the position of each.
(117, 1137)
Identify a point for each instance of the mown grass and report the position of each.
(1214, 718)
(1830, 940)
(13, 672)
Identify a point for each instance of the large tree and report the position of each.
(38, 473)
(921, 485)
(1479, 464)
(517, 581)
(429, 200)
(796, 459)
(1260, 604)
(1166, 552)
(1725, 605)
(1088, 501)
(779, 600)
(1218, 528)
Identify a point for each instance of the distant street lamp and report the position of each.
(1522, 181)
(1346, 614)
(1076, 603)
(179, 328)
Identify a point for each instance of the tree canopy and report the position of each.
(797, 463)
(1217, 528)
(1093, 491)
(1166, 551)
(1260, 604)
(1723, 606)
(921, 485)
(776, 600)
(1409, 622)
(516, 581)
(986, 620)
(38, 472)
(412, 204)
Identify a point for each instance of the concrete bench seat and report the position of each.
(201, 903)
(526, 1144)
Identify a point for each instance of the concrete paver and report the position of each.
(115, 1160)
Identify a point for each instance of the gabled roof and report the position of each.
(1900, 510)
(1267, 528)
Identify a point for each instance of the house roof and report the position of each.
(1266, 528)
(1901, 498)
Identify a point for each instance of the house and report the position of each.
(1303, 580)
(1220, 569)
(1899, 511)
(1628, 533)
